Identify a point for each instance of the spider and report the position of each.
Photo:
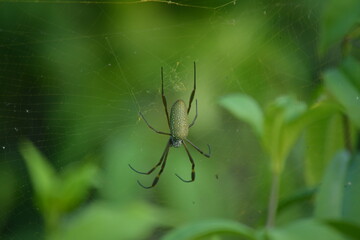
(179, 129)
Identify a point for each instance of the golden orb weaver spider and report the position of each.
(179, 129)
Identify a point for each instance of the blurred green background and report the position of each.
(75, 74)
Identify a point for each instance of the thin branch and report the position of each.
(273, 201)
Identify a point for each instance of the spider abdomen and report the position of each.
(179, 125)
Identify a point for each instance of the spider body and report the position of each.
(179, 124)
(179, 130)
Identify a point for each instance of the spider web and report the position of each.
(74, 75)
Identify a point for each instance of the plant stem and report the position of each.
(273, 201)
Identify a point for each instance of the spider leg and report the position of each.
(193, 91)
(157, 165)
(192, 167)
(156, 179)
(163, 97)
(159, 132)
(196, 114)
(198, 149)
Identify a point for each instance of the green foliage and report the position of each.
(337, 19)
(280, 131)
(88, 78)
(245, 108)
(349, 230)
(351, 68)
(322, 142)
(343, 85)
(284, 120)
(209, 228)
(329, 200)
(338, 195)
(41, 173)
(101, 220)
(56, 193)
(351, 207)
(305, 229)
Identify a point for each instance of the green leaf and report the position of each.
(75, 185)
(284, 110)
(300, 196)
(348, 229)
(322, 142)
(282, 124)
(278, 138)
(294, 128)
(317, 112)
(329, 200)
(337, 19)
(246, 109)
(351, 68)
(345, 93)
(351, 206)
(208, 228)
(102, 220)
(42, 174)
(55, 194)
(309, 229)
